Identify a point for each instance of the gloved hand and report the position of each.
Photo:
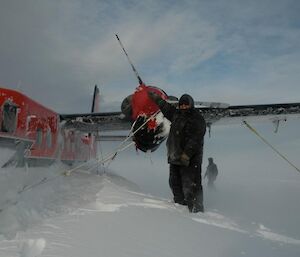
(185, 159)
(154, 97)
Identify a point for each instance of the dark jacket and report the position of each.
(211, 171)
(186, 135)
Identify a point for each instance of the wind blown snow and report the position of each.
(127, 210)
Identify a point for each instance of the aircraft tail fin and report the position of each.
(96, 98)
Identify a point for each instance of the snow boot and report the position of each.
(180, 201)
(197, 208)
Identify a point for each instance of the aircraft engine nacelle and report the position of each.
(138, 107)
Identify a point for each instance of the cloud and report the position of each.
(233, 51)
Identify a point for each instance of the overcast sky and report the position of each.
(239, 52)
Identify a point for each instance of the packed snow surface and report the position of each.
(126, 209)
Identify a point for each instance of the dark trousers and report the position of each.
(185, 183)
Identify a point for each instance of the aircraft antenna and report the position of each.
(133, 68)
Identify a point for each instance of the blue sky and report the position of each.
(239, 52)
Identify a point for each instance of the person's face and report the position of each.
(184, 106)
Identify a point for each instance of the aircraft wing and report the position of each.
(216, 114)
(252, 113)
(93, 122)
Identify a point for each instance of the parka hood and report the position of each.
(186, 99)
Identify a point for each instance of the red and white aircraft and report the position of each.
(40, 136)
(37, 134)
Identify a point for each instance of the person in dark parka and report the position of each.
(185, 150)
(211, 172)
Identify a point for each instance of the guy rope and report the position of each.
(271, 146)
(109, 157)
(120, 148)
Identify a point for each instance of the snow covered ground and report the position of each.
(126, 209)
(107, 216)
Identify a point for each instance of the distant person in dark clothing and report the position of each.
(211, 172)
(185, 150)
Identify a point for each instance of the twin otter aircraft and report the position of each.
(40, 136)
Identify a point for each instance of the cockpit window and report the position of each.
(9, 117)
